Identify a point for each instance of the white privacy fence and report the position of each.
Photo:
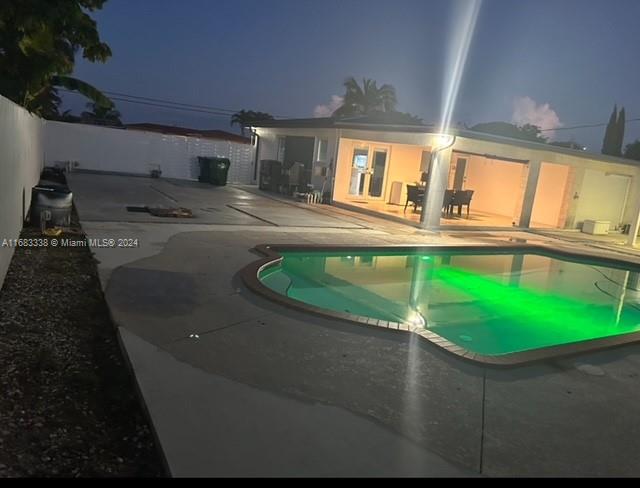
(133, 151)
(27, 143)
(21, 161)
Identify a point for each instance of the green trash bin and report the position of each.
(219, 170)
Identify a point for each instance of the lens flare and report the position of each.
(464, 25)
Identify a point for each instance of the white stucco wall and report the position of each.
(138, 152)
(21, 161)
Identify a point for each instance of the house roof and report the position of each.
(186, 131)
(386, 124)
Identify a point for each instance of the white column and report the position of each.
(529, 193)
(436, 186)
(635, 225)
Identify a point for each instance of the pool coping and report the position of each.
(250, 273)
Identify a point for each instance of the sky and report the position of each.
(555, 63)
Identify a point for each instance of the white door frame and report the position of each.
(371, 148)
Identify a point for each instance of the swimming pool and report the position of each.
(497, 305)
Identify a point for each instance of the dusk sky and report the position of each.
(550, 62)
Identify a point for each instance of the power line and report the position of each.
(169, 107)
(231, 112)
(168, 104)
(186, 109)
(586, 126)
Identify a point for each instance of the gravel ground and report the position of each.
(67, 405)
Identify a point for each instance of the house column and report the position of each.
(529, 192)
(635, 225)
(436, 186)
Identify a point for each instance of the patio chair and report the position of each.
(447, 201)
(460, 199)
(415, 195)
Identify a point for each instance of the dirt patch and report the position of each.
(68, 405)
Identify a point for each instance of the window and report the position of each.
(323, 146)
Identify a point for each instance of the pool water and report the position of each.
(487, 303)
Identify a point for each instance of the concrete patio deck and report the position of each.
(239, 386)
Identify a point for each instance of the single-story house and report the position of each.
(377, 167)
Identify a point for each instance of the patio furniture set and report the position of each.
(452, 199)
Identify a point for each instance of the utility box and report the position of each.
(596, 227)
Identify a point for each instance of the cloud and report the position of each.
(527, 111)
(328, 109)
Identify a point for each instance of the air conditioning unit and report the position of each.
(596, 227)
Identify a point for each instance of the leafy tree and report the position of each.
(100, 115)
(612, 142)
(366, 99)
(245, 118)
(38, 41)
(632, 151)
(526, 132)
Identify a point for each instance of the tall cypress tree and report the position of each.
(608, 144)
(620, 132)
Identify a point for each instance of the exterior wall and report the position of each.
(132, 151)
(497, 185)
(405, 156)
(577, 163)
(551, 195)
(343, 169)
(403, 165)
(21, 161)
(601, 197)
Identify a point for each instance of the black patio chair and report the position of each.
(460, 199)
(447, 201)
(415, 195)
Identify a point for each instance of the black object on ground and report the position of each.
(51, 202)
(270, 174)
(137, 209)
(205, 170)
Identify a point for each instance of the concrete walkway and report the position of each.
(237, 385)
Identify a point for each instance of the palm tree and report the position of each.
(245, 118)
(366, 99)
